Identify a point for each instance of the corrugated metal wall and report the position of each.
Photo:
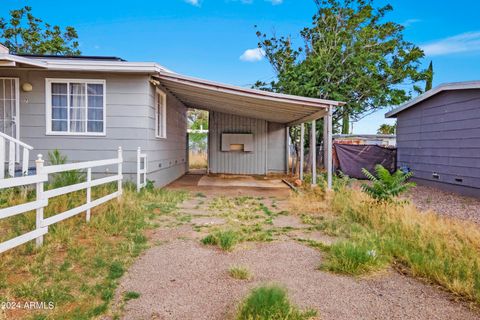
(237, 162)
(277, 148)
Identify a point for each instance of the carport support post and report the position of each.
(329, 166)
(302, 141)
(287, 149)
(313, 144)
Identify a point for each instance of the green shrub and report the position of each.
(271, 303)
(66, 178)
(386, 186)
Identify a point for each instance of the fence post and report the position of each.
(138, 168)
(89, 192)
(120, 167)
(39, 188)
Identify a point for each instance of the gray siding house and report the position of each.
(87, 107)
(438, 137)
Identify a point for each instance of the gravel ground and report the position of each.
(445, 203)
(180, 278)
(185, 280)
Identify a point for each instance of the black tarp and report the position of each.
(352, 158)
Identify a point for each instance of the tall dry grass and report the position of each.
(79, 264)
(197, 160)
(442, 250)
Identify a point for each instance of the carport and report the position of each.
(247, 124)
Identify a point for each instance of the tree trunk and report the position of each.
(346, 123)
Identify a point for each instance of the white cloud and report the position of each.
(464, 42)
(241, 1)
(273, 2)
(195, 3)
(407, 23)
(253, 55)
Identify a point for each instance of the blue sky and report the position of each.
(209, 38)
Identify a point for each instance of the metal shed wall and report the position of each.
(237, 162)
(442, 135)
(276, 141)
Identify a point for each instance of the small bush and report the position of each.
(239, 272)
(386, 186)
(271, 303)
(65, 178)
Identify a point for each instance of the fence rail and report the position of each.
(141, 169)
(42, 196)
(14, 146)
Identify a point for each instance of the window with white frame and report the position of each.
(161, 114)
(75, 106)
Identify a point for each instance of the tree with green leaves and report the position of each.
(197, 120)
(23, 33)
(350, 53)
(429, 82)
(387, 129)
(386, 186)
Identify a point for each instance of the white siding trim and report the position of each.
(163, 134)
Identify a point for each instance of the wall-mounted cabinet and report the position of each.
(237, 142)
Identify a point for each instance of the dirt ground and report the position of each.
(180, 278)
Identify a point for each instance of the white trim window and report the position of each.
(160, 114)
(75, 107)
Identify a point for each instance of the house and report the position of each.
(438, 137)
(87, 107)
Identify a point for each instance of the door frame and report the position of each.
(17, 111)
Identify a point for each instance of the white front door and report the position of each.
(9, 107)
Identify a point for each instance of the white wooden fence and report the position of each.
(42, 196)
(14, 146)
(141, 169)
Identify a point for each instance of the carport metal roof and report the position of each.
(274, 107)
